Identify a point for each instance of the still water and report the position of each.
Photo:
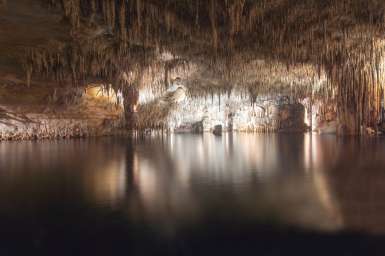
(191, 195)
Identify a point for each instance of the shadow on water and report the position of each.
(240, 194)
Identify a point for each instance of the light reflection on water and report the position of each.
(186, 177)
(181, 181)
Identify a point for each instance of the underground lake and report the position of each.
(192, 194)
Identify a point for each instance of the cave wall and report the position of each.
(237, 112)
(266, 114)
(43, 114)
(104, 41)
(53, 127)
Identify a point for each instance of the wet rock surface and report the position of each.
(237, 113)
(91, 114)
(45, 127)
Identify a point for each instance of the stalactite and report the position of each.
(213, 22)
(166, 76)
(139, 14)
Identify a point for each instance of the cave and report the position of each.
(192, 127)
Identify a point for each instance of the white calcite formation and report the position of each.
(236, 112)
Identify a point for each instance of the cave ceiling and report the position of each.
(244, 42)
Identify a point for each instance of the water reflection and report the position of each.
(182, 181)
(252, 176)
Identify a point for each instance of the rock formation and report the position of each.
(331, 51)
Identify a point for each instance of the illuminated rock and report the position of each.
(236, 113)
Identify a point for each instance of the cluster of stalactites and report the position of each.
(178, 26)
(290, 31)
(331, 35)
(99, 61)
(357, 81)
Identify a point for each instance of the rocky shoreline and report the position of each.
(57, 129)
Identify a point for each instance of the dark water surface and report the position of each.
(240, 194)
